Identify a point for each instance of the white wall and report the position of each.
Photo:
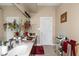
(12, 11)
(1, 25)
(71, 27)
(43, 12)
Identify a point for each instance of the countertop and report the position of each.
(22, 49)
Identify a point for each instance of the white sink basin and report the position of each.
(22, 49)
(18, 51)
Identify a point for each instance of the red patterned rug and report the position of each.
(37, 50)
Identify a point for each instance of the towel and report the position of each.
(64, 47)
(73, 45)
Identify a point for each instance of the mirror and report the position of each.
(10, 16)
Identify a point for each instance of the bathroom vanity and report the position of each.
(21, 49)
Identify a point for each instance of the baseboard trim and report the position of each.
(45, 44)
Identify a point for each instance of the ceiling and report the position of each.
(48, 4)
(3, 4)
(33, 7)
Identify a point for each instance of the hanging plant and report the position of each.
(11, 26)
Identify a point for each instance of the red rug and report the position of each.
(37, 50)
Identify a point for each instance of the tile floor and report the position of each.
(48, 51)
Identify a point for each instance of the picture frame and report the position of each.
(63, 17)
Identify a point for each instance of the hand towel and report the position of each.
(73, 45)
(64, 47)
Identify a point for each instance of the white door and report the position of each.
(46, 31)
